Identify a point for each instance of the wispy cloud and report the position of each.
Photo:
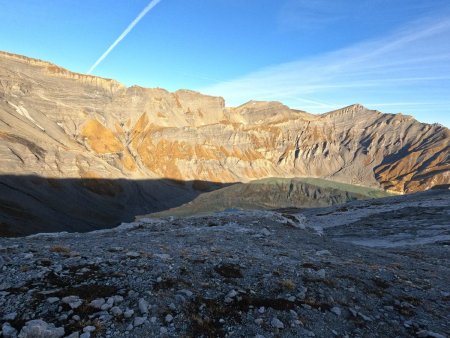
(410, 65)
(308, 15)
(122, 36)
(300, 14)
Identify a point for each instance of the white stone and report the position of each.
(73, 335)
(138, 321)
(143, 306)
(118, 299)
(169, 318)
(89, 328)
(336, 310)
(128, 313)
(10, 316)
(97, 303)
(73, 301)
(40, 329)
(276, 323)
(116, 311)
(8, 331)
(133, 254)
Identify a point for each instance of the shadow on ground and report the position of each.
(31, 204)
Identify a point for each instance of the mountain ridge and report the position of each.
(150, 132)
(62, 125)
(64, 72)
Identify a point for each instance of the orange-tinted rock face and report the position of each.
(100, 139)
(61, 124)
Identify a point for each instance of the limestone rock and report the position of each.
(40, 329)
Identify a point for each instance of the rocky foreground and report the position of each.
(289, 273)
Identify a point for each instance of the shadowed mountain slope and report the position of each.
(31, 204)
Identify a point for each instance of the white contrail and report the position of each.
(152, 4)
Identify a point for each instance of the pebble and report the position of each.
(108, 305)
(266, 232)
(74, 335)
(39, 328)
(430, 334)
(259, 321)
(118, 299)
(408, 323)
(180, 299)
(85, 335)
(302, 294)
(97, 303)
(143, 306)
(89, 328)
(163, 256)
(276, 323)
(336, 310)
(128, 313)
(73, 301)
(187, 293)
(138, 321)
(169, 318)
(321, 274)
(232, 294)
(133, 254)
(52, 300)
(10, 316)
(307, 333)
(353, 312)
(116, 311)
(8, 331)
(363, 316)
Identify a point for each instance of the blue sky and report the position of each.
(315, 55)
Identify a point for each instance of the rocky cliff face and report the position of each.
(59, 124)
